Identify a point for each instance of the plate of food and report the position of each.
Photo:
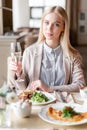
(37, 97)
(64, 114)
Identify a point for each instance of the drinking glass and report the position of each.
(5, 117)
(15, 49)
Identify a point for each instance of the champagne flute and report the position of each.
(16, 51)
(16, 54)
(12, 49)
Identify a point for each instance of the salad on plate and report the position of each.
(37, 97)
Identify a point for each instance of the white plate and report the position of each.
(43, 114)
(51, 99)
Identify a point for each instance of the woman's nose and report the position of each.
(50, 27)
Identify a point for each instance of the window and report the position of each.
(82, 28)
(37, 8)
(82, 16)
(34, 15)
(5, 16)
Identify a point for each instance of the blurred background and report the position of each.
(20, 22)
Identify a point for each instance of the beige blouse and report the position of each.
(31, 65)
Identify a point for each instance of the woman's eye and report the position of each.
(46, 23)
(56, 24)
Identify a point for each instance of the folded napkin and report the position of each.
(64, 97)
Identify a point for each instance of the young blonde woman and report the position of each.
(51, 64)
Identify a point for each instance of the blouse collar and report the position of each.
(50, 50)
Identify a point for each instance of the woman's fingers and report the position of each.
(32, 86)
(13, 65)
(35, 85)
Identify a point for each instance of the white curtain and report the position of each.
(20, 13)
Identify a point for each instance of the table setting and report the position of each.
(27, 109)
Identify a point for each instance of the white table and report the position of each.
(35, 123)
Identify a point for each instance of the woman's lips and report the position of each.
(49, 34)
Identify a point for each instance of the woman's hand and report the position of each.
(15, 66)
(39, 85)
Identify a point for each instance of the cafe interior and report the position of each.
(20, 23)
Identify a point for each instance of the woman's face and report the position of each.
(53, 26)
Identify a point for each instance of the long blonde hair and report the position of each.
(64, 38)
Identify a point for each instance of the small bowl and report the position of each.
(83, 93)
(23, 108)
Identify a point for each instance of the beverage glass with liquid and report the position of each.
(14, 61)
(16, 49)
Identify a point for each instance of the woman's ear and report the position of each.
(62, 33)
